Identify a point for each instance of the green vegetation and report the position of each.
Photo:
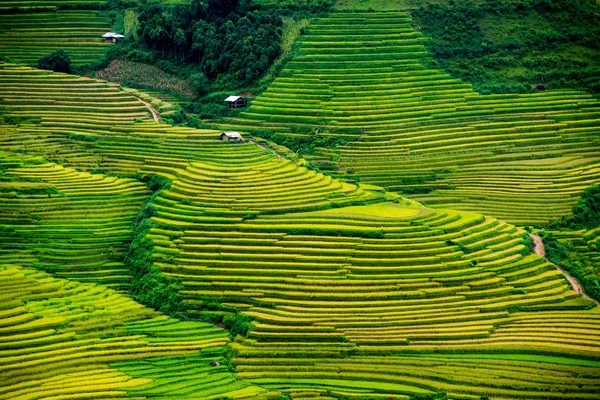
(69, 340)
(150, 260)
(26, 37)
(231, 43)
(149, 286)
(567, 258)
(379, 5)
(572, 242)
(329, 287)
(506, 47)
(59, 61)
(370, 108)
(587, 211)
(145, 76)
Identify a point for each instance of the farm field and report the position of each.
(42, 4)
(144, 260)
(63, 339)
(24, 38)
(415, 130)
(585, 243)
(332, 274)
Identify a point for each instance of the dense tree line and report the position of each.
(229, 39)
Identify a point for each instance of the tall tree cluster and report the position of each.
(226, 38)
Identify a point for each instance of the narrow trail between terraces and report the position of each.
(540, 250)
(264, 146)
(149, 107)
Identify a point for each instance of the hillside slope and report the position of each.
(362, 80)
(347, 290)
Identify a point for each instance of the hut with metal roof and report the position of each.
(236, 101)
(231, 137)
(112, 37)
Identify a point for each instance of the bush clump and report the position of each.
(587, 211)
(59, 61)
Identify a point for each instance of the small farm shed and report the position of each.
(231, 137)
(112, 37)
(236, 101)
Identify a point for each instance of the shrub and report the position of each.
(59, 61)
(238, 324)
(200, 83)
(150, 286)
(587, 211)
(562, 256)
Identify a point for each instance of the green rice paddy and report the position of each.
(415, 130)
(352, 290)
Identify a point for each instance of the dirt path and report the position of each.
(264, 146)
(155, 115)
(540, 250)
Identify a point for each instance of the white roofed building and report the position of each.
(231, 137)
(112, 37)
(236, 101)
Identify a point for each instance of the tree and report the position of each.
(587, 211)
(59, 61)
(200, 83)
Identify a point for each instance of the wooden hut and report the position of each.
(236, 101)
(112, 37)
(231, 137)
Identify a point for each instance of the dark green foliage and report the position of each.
(9, 191)
(150, 286)
(568, 260)
(17, 119)
(235, 43)
(200, 83)
(307, 144)
(506, 47)
(429, 396)
(82, 138)
(210, 108)
(528, 242)
(237, 324)
(59, 61)
(587, 211)
(156, 183)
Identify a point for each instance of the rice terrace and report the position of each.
(300, 200)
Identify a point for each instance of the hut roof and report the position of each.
(232, 99)
(108, 35)
(232, 135)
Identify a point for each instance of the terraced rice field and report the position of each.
(24, 38)
(585, 243)
(61, 339)
(416, 130)
(72, 223)
(353, 291)
(41, 4)
(335, 293)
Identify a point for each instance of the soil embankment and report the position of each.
(540, 250)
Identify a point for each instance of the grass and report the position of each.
(292, 29)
